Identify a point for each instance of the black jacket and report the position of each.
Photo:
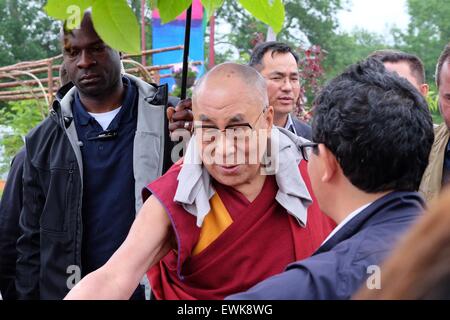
(49, 249)
(303, 130)
(10, 208)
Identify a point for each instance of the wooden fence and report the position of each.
(40, 79)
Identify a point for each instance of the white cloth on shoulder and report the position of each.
(195, 188)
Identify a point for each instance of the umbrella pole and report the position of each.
(187, 35)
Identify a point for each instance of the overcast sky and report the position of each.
(376, 16)
(373, 15)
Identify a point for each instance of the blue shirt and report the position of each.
(108, 180)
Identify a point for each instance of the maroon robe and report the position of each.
(262, 240)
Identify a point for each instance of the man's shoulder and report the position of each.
(144, 88)
(43, 129)
(340, 271)
(304, 130)
(379, 231)
(18, 159)
(43, 136)
(441, 132)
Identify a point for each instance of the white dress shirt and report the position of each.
(345, 221)
(290, 125)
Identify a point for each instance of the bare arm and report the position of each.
(147, 242)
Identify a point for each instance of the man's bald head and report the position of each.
(226, 74)
(232, 120)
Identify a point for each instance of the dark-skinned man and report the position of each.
(85, 167)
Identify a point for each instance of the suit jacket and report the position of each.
(303, 130)
(342, 264)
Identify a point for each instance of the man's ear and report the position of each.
(329, 163)
(269, 116)
(424, 88)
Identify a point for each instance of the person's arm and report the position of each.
(147, 242)
(28, 244)
(10, 208)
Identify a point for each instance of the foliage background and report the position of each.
(27, 33)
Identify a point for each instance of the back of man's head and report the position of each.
(274, 47)
(377, 126)
(393, 56)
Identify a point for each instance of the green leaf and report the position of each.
(116, 24)
(58, 9)
(153, 4)
(170, 9)
(211, 6)
(270, 12)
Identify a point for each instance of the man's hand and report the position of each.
(180, 117)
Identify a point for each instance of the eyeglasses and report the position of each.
(308, 148)
(211, 132)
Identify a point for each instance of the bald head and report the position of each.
(227, 75)
(232, 122)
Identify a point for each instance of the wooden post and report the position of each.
(212, 23)
(143, 40)
(157, 77)
(50, 81)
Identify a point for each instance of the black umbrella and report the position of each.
(187, 35)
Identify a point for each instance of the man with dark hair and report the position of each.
(85, 166)
(278, 64)
(406, 65)
(437, 174)
(372, 134)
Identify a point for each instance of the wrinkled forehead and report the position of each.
(225, 101)
(238, 107)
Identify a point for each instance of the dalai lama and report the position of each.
(236, 211)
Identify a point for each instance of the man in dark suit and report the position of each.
(278, 64)
(372, 133)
